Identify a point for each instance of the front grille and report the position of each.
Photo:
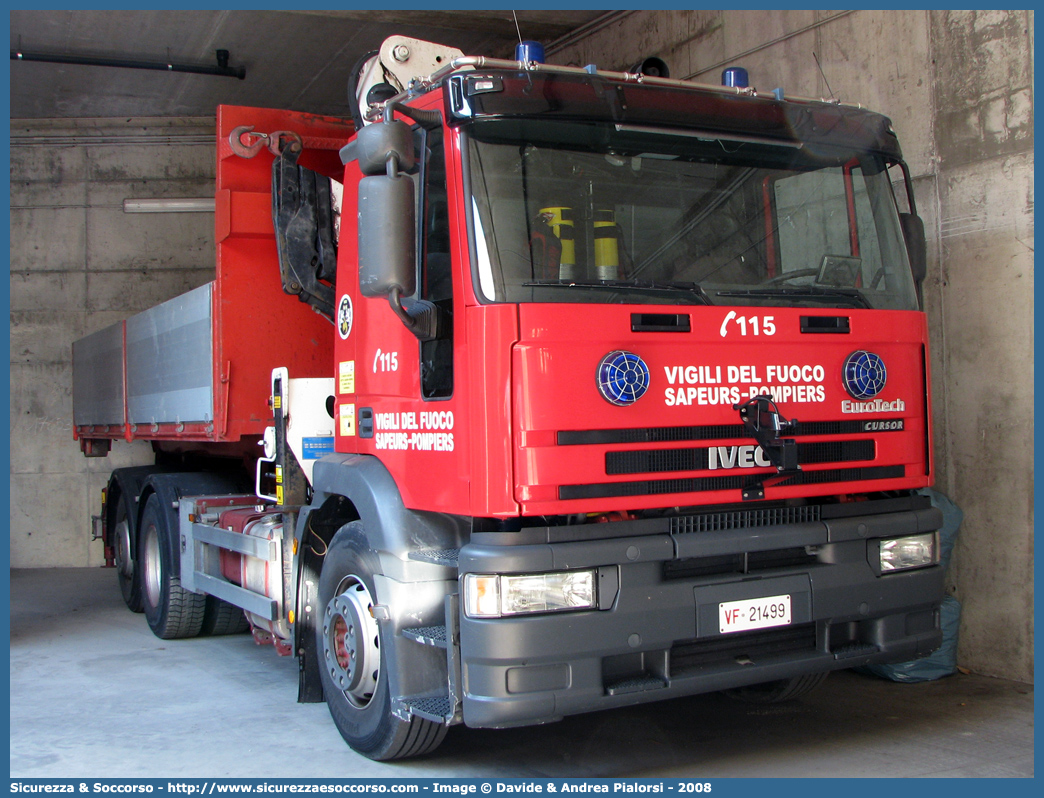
(692, 655)
(708, 432)
(654, 487)
(654, 461)
(692, 567)
(744, 519)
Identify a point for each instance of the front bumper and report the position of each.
(657, 634)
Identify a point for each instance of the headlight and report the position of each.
(915, 551)
(496, 596)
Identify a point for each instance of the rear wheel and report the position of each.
(353, 661)
(778, 691)
(171, 611)
(222, 618)
(123, 555)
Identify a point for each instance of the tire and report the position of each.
(352, 662)
(123, 553)
(171, 611)
(778, 691)
(222, 618)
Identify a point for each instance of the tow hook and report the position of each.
(762, 419)
(277, 141)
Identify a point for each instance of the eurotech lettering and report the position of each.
(876, 406)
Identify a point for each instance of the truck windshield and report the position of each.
(598, 212)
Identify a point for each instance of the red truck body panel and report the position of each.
(695, 379)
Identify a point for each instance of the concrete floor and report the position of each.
(95, 694)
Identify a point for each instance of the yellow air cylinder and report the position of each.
(606, 245)
(561, 221)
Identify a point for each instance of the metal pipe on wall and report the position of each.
(222, 69)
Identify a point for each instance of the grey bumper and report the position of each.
(657, 635)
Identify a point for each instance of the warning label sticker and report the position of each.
(346, 377)
(347, 419)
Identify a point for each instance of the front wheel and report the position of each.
(353, 664)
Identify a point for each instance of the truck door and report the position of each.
(406, 396)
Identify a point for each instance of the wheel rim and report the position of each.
(151, 568)
(351, 647)
(124, 563)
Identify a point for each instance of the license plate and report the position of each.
(759, 613)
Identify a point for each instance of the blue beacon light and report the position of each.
(529, 52)
(735, 77)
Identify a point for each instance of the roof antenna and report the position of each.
(821, 72)
(518, 30)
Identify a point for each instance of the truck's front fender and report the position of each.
(412, 592)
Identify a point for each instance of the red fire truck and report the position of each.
(535, 390)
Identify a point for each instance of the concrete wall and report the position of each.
(958, 86)
(79, 263)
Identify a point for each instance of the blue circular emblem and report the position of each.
(864, 374)
(623, 378)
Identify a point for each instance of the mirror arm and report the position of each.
(422, 318)
(909, 187)
(395, 300)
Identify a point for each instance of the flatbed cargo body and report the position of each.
(197, 367)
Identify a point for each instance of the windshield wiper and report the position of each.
(805, 292)
(650, 285)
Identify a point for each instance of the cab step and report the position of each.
(445, 557)
(438, 708)
(428, 635)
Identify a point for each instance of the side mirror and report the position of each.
(387, 257)
(916, 248)
(387, 260)
(387, 224)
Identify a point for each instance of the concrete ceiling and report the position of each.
(297, 60)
